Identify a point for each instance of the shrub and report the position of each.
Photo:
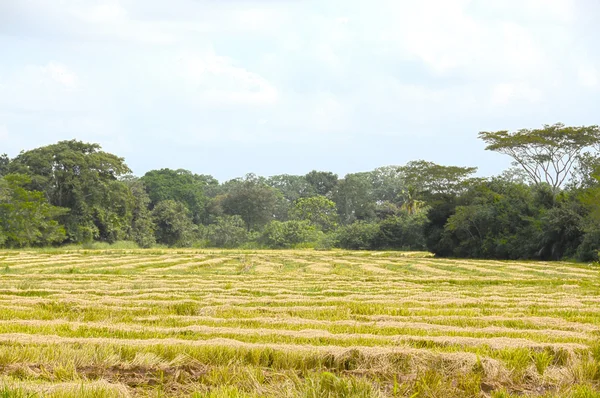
(280, 235)
(227, 231)
(357, 236)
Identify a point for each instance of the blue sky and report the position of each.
(234, 86)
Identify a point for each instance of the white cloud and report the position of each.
(60, 74)
(49, 87)
(507, 93)
(561, 10)
(329, 114)
(588, 76)
(110, 19)
(255, 19)
(216, 80)
(264, 71)
(476, 39)
(4, 135)
(441, 34)
(112, 12)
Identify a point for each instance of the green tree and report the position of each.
(353, 197)
(318, 210)
(422, 177)
(291, 187)
(322, 182)
(174, 226)
(26, 218)
(548, 155)
(141, 226)
(180, 185)
(561, 228)
(499, 219)
(410, 203)
(590, 199)
(4, 164)
(82, 178)
(585, 172)
(253, 200)
(227, 232)
(388, 184)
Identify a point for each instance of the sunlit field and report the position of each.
(164, 323)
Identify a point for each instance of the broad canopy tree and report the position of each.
(318, 210)
(548, 155)
(423, 177)
(83, 178)
(388, 184)
(354, 199)
(322, 182)
(292, 187)
(180, 185)
(253, 200)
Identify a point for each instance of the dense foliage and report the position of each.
(547, 206)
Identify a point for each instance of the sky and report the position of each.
(227, 87)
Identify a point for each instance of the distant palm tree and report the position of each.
(410, 203)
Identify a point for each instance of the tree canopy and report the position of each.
(427, 177)
(80, 177)
(253, 200)
(544, 207)
(547, 154)
(180, 185)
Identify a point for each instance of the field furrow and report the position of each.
(291, 323)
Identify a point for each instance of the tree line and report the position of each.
(546, 206)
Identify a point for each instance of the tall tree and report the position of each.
(318, 210)
(292, 187)
(180, 185)
(353, 197)
(423, 177)
(410, 203)
(174, 226)
(253, 200)
(388, 184)
(549, 154)
(141, 228)
(82, 178)
(323, 182)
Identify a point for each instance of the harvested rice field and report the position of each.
(200, 323)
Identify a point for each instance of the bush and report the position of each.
(282, 235)
(357, 236)
(227, 232)
(401, 232)
(174, 226)
(326, 241)
(588, 249)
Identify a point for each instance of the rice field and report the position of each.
(201, 323)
